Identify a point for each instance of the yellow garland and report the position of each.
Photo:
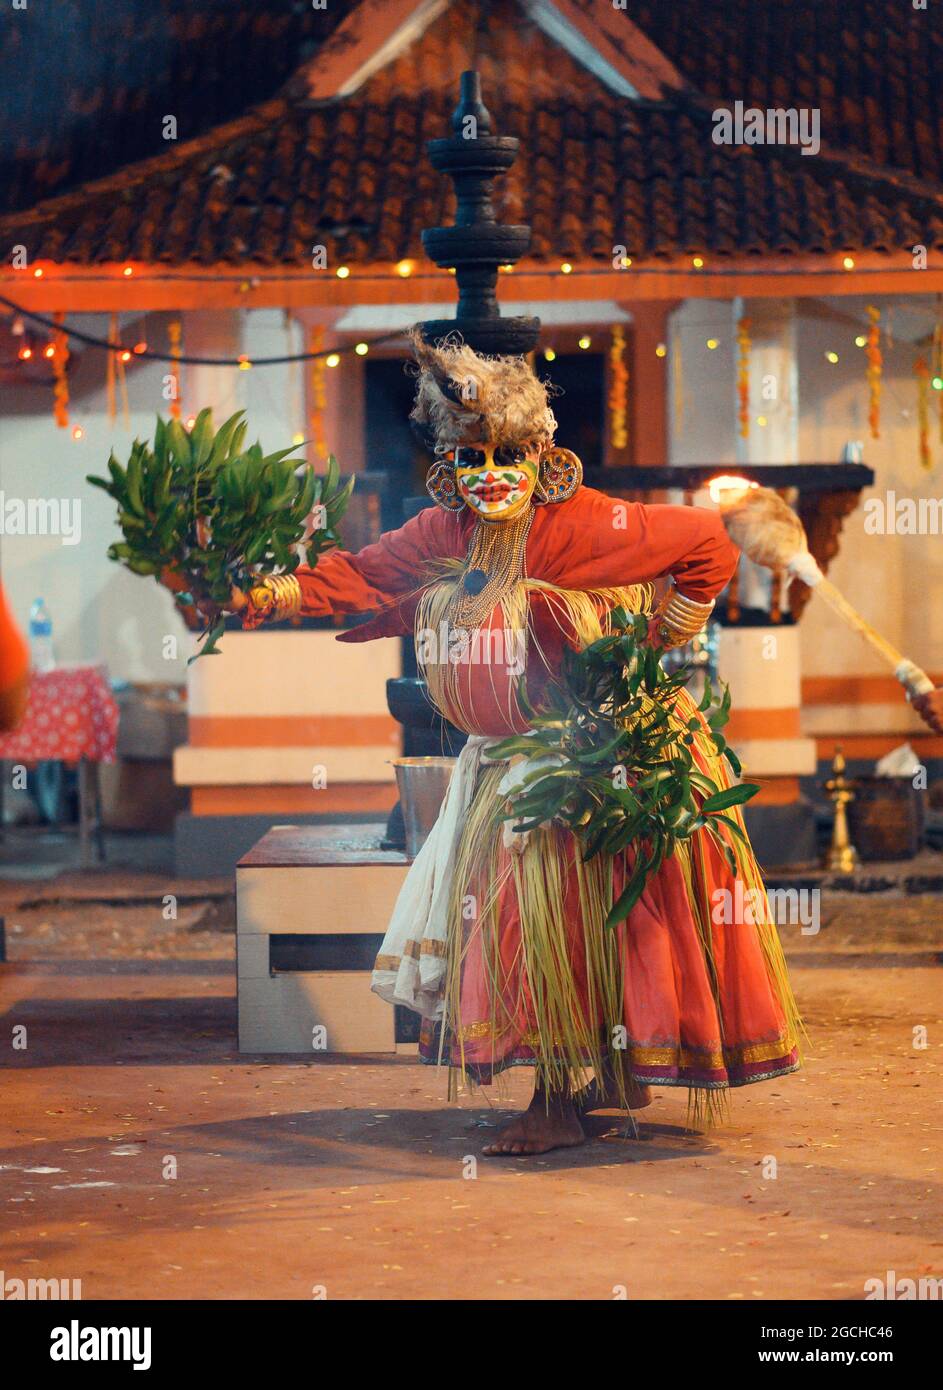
(743, 375)
(317, 397)
(618, 389)
(922, 373)
(875, 362)
(60, 360)
(173, 334)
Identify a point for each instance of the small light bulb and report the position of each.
(297, 438)
(25, 353)
(831, 357)
(697, 262)
(585, 342)
(761, 421)
(549, 355)
(49, 350)
(566, 268)
(332, 359)
(78, 432)
(140, 347)
(38, 272)
(361, 349)
(861, 340)
(405, 268)
(128, 270)
(244, 363)
(661, 350)
(849, 262)
(125, 355)
(712, 343)
(937, 383)
(342, 272)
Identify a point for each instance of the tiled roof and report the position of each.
(88, 83)
(594, 171)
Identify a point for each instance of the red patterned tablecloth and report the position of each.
(71, 714)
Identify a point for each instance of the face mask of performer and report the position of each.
(496, 481)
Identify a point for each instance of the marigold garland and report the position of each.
(922, 373)
(60, 360)
(173, 336)
(743, 375)
(317, 396)
(875, 364)
(618, 389)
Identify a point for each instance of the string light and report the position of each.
(125, 355)
(343, 271)
(566, 268)
(549, 355)
(49, 350)
(78, 433)
(849, 262)
(25, 353)
(761, 421)
(405, 268)
(937, 383)
(661, 350)
(332, 359)
(831, 357)
(140, 347)
(128, 270)
(697, 262)
(361, 349)
(244, 363)
(861, 340)
(585, 342)
(712, 343)
(38, 272)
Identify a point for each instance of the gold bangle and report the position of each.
(681, 619)
(275, 598)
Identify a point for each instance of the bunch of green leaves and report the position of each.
(201, 508)
(620, 766)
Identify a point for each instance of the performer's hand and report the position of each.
(930, 709)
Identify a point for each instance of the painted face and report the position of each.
(497, 482)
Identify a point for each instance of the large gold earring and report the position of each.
(560, 474)
(440, 485)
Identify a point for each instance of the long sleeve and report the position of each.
(381, 575)
(595, 540)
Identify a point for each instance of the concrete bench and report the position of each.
(312, 905)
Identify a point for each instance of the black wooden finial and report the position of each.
(477, 244)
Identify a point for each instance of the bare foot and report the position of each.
(597, 1097)
(539, 1129)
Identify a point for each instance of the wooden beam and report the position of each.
(154, 287)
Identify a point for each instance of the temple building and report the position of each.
(737, 265)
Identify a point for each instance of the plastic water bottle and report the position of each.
(40, 638)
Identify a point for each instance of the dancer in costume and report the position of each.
(497, 938)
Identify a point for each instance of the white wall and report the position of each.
(100, 611)
(893, 579)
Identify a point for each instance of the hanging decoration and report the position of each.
(316, 396)
(743, 376)
(173, 336)
(60, 361)
(875, 364)
(618, 389)
(114, 372)
(922, 373)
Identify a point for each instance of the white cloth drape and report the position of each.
(410, 968)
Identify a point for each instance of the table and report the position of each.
(71, 717)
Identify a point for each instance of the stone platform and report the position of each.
(312, 906)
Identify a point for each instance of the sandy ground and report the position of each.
(140, 1154)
